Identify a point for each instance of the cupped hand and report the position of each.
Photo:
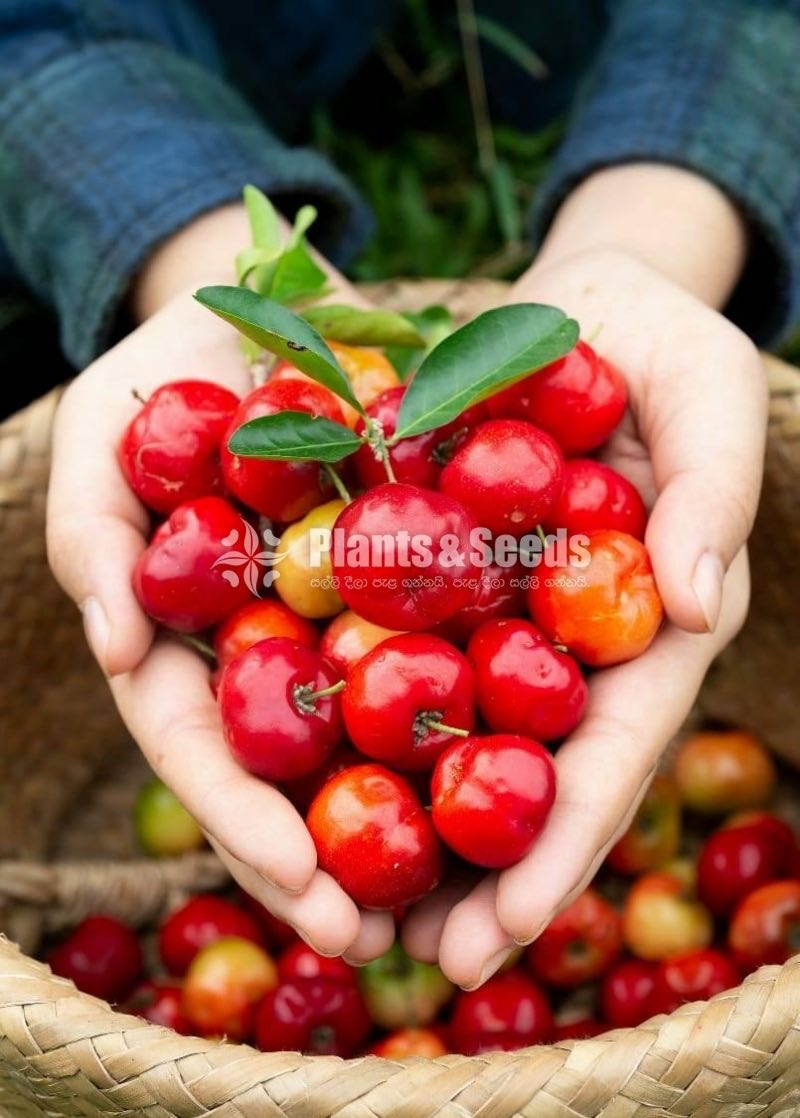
(693, 443)
(96, 530)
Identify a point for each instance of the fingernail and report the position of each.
(534, 935)
(494, 964)
(707, 586)
(310, 943)
(96, 627)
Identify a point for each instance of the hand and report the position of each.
(96, 530)
(693, 444)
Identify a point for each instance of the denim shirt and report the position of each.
(122, 120)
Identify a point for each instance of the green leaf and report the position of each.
(493, 351)
(297, 276)
(281, 332)
(291, 435)
(264, 225)
(257, 260)
(353, 326)
(433, 324)
(304, 219)
(511, 45)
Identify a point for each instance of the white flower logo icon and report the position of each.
(250, 556)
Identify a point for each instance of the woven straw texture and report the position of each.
(62, 1053)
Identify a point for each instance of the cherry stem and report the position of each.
(541, 534)
(443, 728)
(138, 396)
(326, 692)
(337, 483)
(597, 329)
(560, 648)
(376, 441)
(305, 699)
(205, 650)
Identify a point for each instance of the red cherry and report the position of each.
(305, 789)
(159, 1003)
(522, 684)
(176, 580)
(374, 837)
(403, 556)
(312, 1015)
(224, 986)
(256, 621)
(282, 491)
(580, 1029)
(694, 977)
(579, 944)
(418, 460)
(595, 496)
(277, 719)
(765, 928)
(508, 475)
(507, 1012)
(579, 400)
(497, 592)
(401, 692)
(303, 962)
(347, 638)
(733, 862)
(203, 919)
(101, 956)
(625, 992)
(492, 796)
(600, 600)
(170, 452)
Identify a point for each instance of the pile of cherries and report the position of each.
(416, 728)
(703, 888)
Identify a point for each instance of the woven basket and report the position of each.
(63, 1053)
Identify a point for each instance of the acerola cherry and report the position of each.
(579, 944)
(302, 961)
(404, 556)
(507, 1012)
(600, 601)
(724, 770)
(582, 1028)
(163, 826)
(695, 977)
(281, 490)
(399, 990)
(654, 835)
(257, 621)
(579, 400)
(203, 919)
(594, 496)
(348, 638)
(224, 985)
(735, 861)
(625, 991)
(374, 837)
(403, 1043)
(160, 1003)
(496, 592)
(508, 474)
(402, 698)
(170, 452)
(281, 712)
(522, 684)
(661, 917)
(492, 796)
(102, 956)
(303, 567)
(176, 580)
(304, 790)
(765, 928)
(370, 373)
(313, 1015)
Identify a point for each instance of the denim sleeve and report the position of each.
(116, 130)
(713, 87)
